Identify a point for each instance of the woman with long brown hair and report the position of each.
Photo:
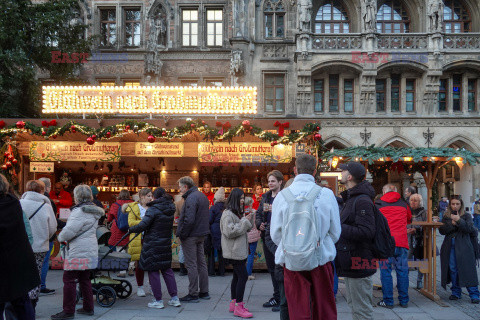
(458, 252)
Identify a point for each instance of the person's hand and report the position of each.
(455, 217)
(56, 200)
(262, 226)
(411, 230)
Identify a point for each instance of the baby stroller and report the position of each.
(104, 287)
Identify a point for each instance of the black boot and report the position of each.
(183, 270)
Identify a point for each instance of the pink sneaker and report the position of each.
(241, 312)
(232, 305)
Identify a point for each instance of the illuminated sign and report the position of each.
(158, 149)
(150, 100)
(238, 152)
(74, 151)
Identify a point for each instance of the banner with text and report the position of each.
(159, 149)
(237, 152)
(74, 151)
(42, 166)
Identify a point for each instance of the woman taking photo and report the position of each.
(157, 225)
(136, 212)
(415, 233)
(457, 255)
(234, 227)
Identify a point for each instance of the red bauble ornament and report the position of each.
(54, 136)
(164, 134)
(8, 164)
(192, 125)
(43, 133)
(94, 137)
(108, 134)
(6, 154)
(246, 123)
(318, 128)
(14, 161)
(203, 122)
(20, 124)
(127, 127)
(274, 143)
(73, 129)
(90, 141)
(10, 157)
(151, 139)
(2, 124)
(317, 137)
(4, 167)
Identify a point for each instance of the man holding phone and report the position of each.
(262, 220)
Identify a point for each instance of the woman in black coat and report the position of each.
(18, 269)
(457, 255)
(215, 215)
(157, 246)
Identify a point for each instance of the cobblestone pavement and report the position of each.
(257, 292)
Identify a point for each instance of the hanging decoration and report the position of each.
(281, 127)
(9, 163)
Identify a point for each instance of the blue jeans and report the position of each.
(476, 221)
(335, 280)
(440, 215)
(456, 290)
(400, 262)
(43, 273)
(252, 248)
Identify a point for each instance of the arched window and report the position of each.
(456, 17)
(274, 12)
(332, 18)
(392, 17)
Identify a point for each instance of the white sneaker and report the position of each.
(141, 292)
(156, 304)
(174, 302)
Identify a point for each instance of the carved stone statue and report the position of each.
(153, 64)
(158, 29)
(236, 66)
(240, 15)
(369, 14)
(305, 15)
(435, 14)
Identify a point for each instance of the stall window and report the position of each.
(131, 83)
(318, 88)
(215, 28)
(457, 93)
(108, 27)
(456, 17)
(380, 90)
(332, 18)
(442, 95)
(472, 95)
(333, 93)
(392, 17)
(274, 15)
(410, 95)
(348, 95)
(106, 83)
(213, 83)
(395, 93)
(189, 28)
(274, 92)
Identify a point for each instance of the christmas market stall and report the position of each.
(427, 161)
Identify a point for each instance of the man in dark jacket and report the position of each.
(354, 248)
(193, 226)
(262, 220)
(398, 214)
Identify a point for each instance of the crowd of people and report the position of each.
(310, 237)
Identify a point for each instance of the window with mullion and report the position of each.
(472, 95)
(456, 17)
(443, 95)
(108, 27)
(318, 94)
(189, 27)
(332, 18)
(348, 95)
(215, 27)
(275, 25)
(274, 93)
(132, 27)
(392, 17)
(457, 93)
(381, 86)
(333, 86)
(410, 95)
(395, 94)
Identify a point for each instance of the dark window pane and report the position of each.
(280, 26)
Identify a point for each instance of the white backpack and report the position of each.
(300, 238)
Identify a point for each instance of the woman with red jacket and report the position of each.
(122, 198)
(257, 196)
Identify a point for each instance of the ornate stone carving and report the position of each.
(274, 51)
(369, 14)
(367, 94)
(153, 64)
(158, 28)
(336, 41)
(435, 15)
(304, 84)
(461, 41)
(305, 15)
(236, 66)
(403, 41)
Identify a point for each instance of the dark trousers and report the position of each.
(20, 309)
(196, 265)
(240, 277)
(310, 293)
(156, 285)
(211, 262)
(270, 260)
(70, 290)
(283, 302)
(139, 274)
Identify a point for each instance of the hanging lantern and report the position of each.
(459, 162)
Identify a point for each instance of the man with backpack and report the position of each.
(398, 215)
(305, 225)
(355, 257)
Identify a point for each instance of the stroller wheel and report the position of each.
(106, 296)
(124, 289)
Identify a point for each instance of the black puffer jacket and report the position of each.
(194, 216)
(264, 216)
(157, 243)
(354, 248)
(272, 247)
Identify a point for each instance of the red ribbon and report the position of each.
(281, 127)
(47, 124)
(225, 126)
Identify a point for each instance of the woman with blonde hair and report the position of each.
(459, 251)
(136, 211)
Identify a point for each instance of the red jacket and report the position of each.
(398, 215)
(256, 201)
(117, 234)
(210, 197)
(65, 198)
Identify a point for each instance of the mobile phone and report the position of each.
(454, 212)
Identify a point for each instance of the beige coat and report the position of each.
(234, 236)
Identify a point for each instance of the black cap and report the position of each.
(356, 169)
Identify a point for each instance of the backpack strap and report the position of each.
(290, 197)
(38, 209)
